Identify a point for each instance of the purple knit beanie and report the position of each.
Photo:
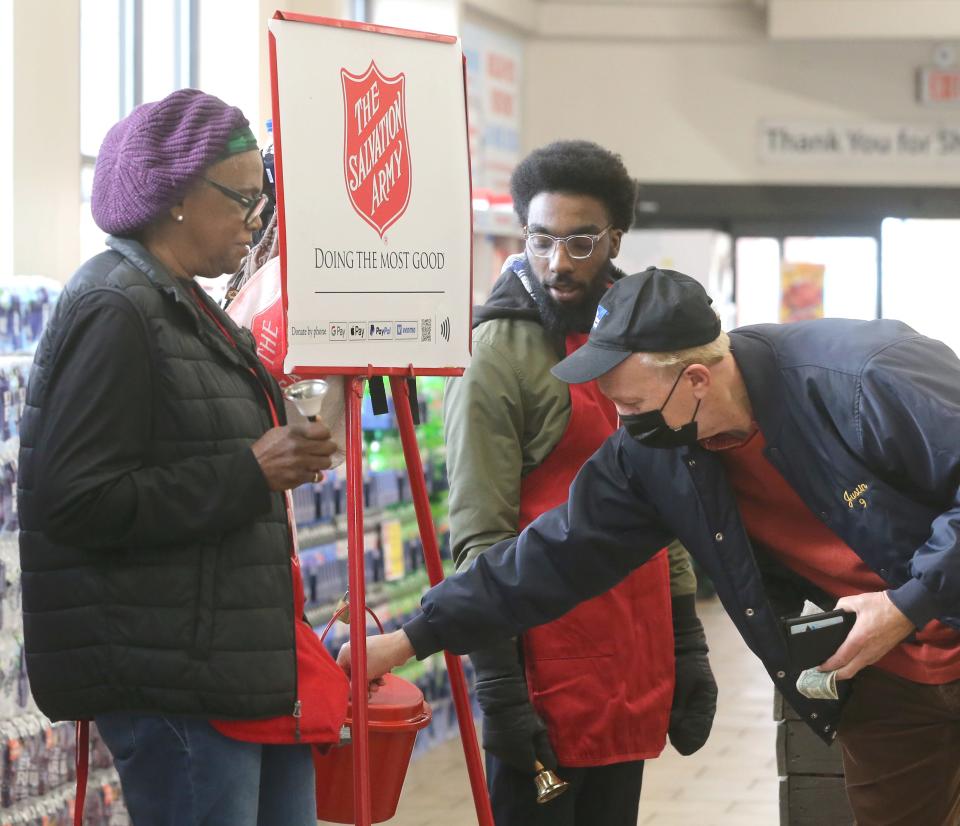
(151, 157)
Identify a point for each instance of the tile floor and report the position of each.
(732, 781)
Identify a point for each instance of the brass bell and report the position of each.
(548, 784)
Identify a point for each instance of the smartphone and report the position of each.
(814, 638)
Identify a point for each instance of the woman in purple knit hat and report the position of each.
(161, 592)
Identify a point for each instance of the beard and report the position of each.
(558, 319)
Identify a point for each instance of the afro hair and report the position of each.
(579, 168)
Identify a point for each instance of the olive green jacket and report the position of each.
(502, 418)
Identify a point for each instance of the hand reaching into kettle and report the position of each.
(384, 653)
(388, 651)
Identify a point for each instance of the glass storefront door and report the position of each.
(797, 276)
(921, 276)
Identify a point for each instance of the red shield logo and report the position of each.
(376, 154)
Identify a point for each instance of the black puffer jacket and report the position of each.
(156, 573)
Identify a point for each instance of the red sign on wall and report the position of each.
(938, 85)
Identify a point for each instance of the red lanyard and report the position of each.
(273, 411)
(203, 306)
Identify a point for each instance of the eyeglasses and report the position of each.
(578, 246)
(254, 206)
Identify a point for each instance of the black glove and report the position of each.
(695, 693)
(512, 730)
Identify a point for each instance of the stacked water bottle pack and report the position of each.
(39, 776)
(38, 783)
(15, 699)
(26, 303)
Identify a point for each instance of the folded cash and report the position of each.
(818, 685)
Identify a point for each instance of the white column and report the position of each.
(46, 138)
(317, 8)
(227, 59)
(6, 137)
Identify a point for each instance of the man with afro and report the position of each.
(593, 694)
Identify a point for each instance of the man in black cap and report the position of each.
(818, 461)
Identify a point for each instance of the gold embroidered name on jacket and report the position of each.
(856, 497)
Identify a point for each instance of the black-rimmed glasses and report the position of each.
(578, 246)
(254, 206)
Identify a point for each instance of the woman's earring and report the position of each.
(179, 219)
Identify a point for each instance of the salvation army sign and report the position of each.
(376, 153)
(373, 197)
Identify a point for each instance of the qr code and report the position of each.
(426, 331)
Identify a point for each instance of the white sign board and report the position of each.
(786, 142)
(370, 134)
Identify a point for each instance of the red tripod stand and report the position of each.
(431, 553)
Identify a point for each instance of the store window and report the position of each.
(797, 277)
(131, 51)
(6, 137)
(227, 55)
(440, 16)
(849, 272)
(921, 276)
(359, 10)
(167, 47)
(758, 280)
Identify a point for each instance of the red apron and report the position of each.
(602, 675)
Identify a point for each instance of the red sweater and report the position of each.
(775, 516)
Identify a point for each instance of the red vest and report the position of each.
(602, 675)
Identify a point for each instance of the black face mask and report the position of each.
(652, 430)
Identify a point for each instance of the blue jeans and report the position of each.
(179, 771)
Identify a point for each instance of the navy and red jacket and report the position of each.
(844, 406)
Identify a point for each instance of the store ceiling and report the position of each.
(798, 20)
(663, 3)
(863, 19)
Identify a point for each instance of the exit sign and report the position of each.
(938, 86)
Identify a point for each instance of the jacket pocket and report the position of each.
(204, 611)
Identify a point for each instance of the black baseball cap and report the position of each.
(654, 311)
